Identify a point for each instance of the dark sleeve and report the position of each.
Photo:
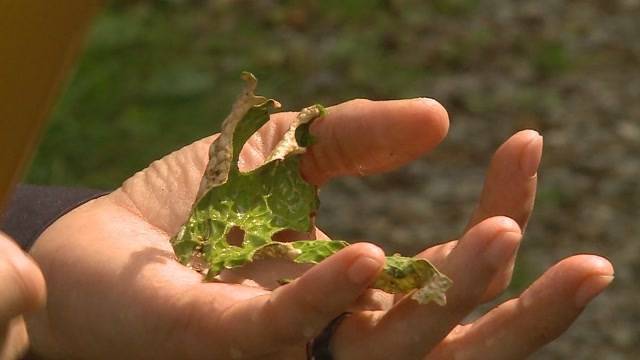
(33, 208)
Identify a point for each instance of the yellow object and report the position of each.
(39, 42)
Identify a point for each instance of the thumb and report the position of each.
(363, 137)
(22, 286)
(294, 313)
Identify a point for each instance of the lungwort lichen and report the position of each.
(272, 198)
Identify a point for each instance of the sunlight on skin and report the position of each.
(118, 270)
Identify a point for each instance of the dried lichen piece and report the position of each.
(403, 274)
(221, 152)
(272, 198)
(260, 202)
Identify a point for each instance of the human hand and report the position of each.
(113, 280)
(481, 265)
(21, 290)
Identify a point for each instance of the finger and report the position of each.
(21, 282)
(509, 190)
(438, 254)
(362, 137)
(543, 312)
(510, 184)
(296, 312)
(409, 330)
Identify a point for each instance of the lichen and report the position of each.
(272, 198)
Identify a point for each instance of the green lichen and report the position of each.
(272, 198)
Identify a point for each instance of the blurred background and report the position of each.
(157, 75)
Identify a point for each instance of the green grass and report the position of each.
(139, 92)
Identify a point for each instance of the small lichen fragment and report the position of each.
(272, 198)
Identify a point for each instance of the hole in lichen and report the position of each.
(235, 236)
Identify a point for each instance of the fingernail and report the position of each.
(590, 287)
(363, 270)
(502, 248)
(531, 156)
(427, 100)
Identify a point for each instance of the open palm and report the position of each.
(115, 290)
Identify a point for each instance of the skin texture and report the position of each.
(115, 291)
(21, 290)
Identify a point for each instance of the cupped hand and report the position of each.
(115, 290)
